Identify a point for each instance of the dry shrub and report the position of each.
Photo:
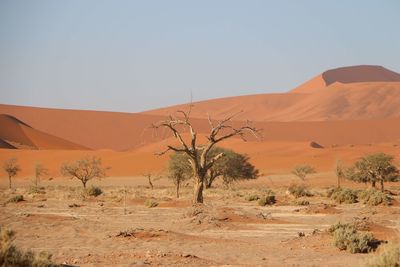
(374, 197)
(93, 191)
(343, 195)
(10, 255)
(267, 200)
(390, 257)
(346, 237)
(252, 197)
(16, 199)
(299, 191)
(151, 203)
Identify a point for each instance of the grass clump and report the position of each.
(94, 191)
(252, 197)
(16, 199)
(390, 257)
(299, 191)
(346, 237)
(36, 190)
(10, 255)
(302, 202)
(267, 200)
(343, 195)
(151, 203)
(374, 197)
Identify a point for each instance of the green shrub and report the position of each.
(15, 199)
(252, 197)
(94, 191)
(346, 237)
(267, 200)
(150, 203)
(374, 197)
(10, 255)
(390, 257)
(299, 191)
(344, 195)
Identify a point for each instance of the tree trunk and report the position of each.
(198, 192)
(84, 184)
(338, 181)
(178, 184)
(373, 184)
(9, 181)
(382, 186)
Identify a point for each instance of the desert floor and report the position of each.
(118, 229)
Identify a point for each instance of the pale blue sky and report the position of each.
(137, 55)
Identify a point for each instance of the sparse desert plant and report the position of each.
(11, 167)
(16, 199)
(93, 191)
(36, 190)
(344, 195)
(252, 197)
(151, 203)
(298, 191)
(302, 171)
(340, 172)
(10, 255)
(267, 200)
(374, 197)
(40, 171)
(199, 155)
(84, 169)
(152, 177)
(374, 168)
(179, 170)
(302, 202)
(390, 257)
(346, 237)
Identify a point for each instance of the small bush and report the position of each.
(150, 203)
(16, 198)
(10, 255)
(252, 198)
(36, 190)
(344, 195)
(299, 191)
(94, 191)
(302, 202)
(346, 237)
(267, 200)
(390, 257)
(374, 197)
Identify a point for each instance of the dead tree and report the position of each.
(11, 168)
(199, 157)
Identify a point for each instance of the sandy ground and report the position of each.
(117, 229)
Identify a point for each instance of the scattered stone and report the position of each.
(315, 145)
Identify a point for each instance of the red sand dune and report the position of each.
(17, 134)
(119, 131)
(348, 111)
(349, 93)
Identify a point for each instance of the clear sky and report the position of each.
(137, 55)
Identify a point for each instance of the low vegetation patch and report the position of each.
(390, 257)
(10, 255)
(16, 199)
(301, 202)
(267, 200)
(374, 197)
(252, 197)
(346, 237)
(151, 203)
(343, 195)
(36, 190)
(299, 191)
(93, 191)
